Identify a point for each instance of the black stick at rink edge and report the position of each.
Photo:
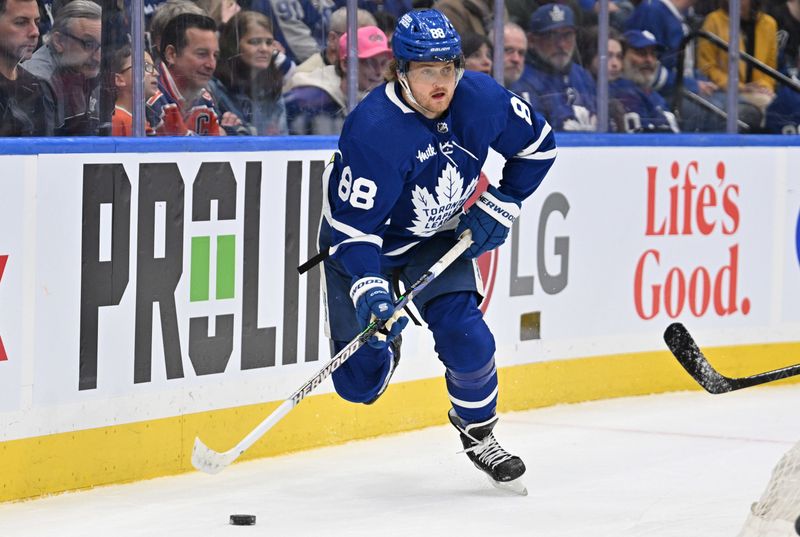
(689, 355)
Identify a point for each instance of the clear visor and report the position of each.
(432, 73)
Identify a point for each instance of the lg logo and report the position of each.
(3, 260)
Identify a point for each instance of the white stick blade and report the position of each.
(209, 461)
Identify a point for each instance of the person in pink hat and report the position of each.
(317, 102)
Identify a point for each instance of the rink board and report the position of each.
(148, 294)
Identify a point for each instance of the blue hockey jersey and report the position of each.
(399, 178)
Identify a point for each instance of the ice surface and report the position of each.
(674, 465)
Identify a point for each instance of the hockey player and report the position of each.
(394, 205)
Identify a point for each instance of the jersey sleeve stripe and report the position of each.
(341, 227)
(368, 239)
(535, 145)
(545, 155)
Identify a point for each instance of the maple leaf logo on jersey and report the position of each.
(431, 212)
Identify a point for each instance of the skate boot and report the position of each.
(394, 348)
(503, 469)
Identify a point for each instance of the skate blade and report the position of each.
(515, 486)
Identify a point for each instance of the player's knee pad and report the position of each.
(361, 377)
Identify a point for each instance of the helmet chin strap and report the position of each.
(401, 77)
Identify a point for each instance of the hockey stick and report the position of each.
(688, 354)
(211, 462)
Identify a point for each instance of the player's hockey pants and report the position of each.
(464, 344)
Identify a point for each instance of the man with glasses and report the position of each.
(70, 65)
(643, 109)
(410, 156)
(24, 108)
(556, 86)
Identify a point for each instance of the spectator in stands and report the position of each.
(248, 83)
(787, 15)
(643, 109)
(337, 26)
(590, 57)
(590, 60)
(666, 20)
(25, 109)
(70, 64)
(317, 104)
(783, 113)
(122, 66)
(165, 13)
(515, 47)
(298, 25)
(556, 86)
(183, 104)
(758, 38)
(220, 10)
(477, 50)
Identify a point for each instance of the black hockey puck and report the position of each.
(243, 520)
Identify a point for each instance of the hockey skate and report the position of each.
(394, 348)
(503, 469)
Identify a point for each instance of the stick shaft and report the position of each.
(208, 460)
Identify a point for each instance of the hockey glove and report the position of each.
(490, 220)
(371, 297)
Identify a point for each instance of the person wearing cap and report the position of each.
(317, 102)
(644, 110)
(666, 20)
(410, 156)
(556, 86)
(337, 26)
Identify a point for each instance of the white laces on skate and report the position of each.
(489, 451)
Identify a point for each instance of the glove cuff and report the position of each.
(504, 211)
(365, 284)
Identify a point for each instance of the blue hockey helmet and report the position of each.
(425, 36)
